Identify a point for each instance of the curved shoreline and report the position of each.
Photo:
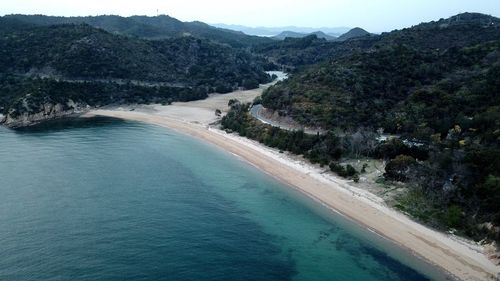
(460, 259)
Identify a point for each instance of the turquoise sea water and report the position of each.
(103, 199)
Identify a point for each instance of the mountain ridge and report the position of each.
(299, 52)
(58, 66)
(159, 27)
(290, 34)
(273, 31)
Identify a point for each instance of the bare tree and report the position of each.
(362, 143)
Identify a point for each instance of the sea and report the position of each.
(106, 199)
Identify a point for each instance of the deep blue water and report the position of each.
(103, 199)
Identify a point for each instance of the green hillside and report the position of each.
(459, 31)
(159, 27)
(435, 87)
(81, 53)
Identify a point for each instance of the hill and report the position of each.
(293, 53)
(353, 33)
(290, 34)
(435, 88)
(321, 34)
(81, 52)
(159, 27)
(116, 68)
(465, 29)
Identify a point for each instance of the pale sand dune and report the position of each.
(462, 259)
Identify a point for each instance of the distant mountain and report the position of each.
(160, 27)
(274, 31)
(291, 34)
(458, 31)
(321, 34)
(353, 33)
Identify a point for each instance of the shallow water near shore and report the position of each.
(104, 199)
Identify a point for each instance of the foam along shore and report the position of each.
(460, 258)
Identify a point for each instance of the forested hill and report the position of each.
(375, 87)
(436, 86)
(184, 67)
(398, 88)
(159, 27)
(353, 33)
(81, 51)
(458, 31)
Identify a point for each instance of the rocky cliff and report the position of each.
(45, 112)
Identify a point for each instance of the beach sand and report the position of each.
(460, 258)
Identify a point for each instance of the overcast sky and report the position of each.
(373, 15)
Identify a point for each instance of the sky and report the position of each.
(373, 15)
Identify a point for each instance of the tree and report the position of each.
(399, 168)
(362, 142)
(249, 84)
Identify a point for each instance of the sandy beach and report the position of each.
(460, 258)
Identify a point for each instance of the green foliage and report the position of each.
(394, 147)
(400, 168)
(347, 171)
(454, 216)
(321, 149)
(434, 86)
(95, 67)
(417, 205)
(250, 83)
(28, 95)
(400, 89)
(83, 52)
(488, 193)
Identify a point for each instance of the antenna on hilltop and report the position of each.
(157, 14)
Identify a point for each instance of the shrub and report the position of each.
(346, 172)
(399, 168)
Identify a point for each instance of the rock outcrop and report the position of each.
(45, 112)
(492, 251)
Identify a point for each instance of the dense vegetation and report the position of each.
(29, 95)
(436, 87)
(160, 27)
(78, 53)
(293, 53)
(323, 149)
(397, 88)
(81, 51)
(458, 31)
